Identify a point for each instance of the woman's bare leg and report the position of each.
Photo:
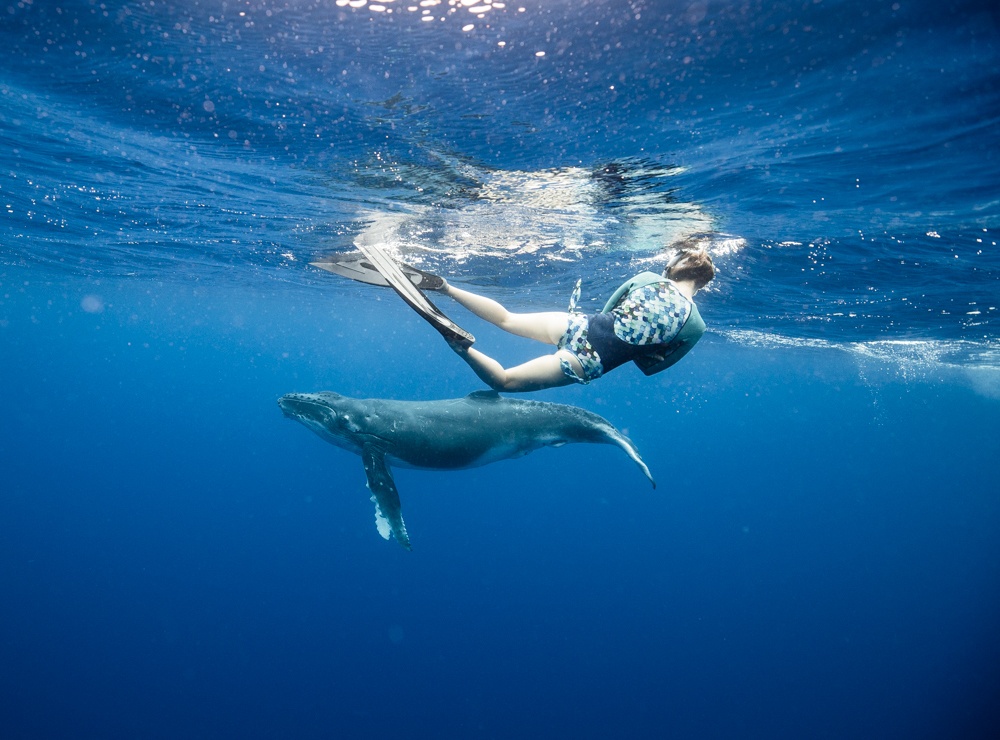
(533, 375)
(547, 326)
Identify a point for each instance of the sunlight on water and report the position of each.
(559, 214)
(516, 145)
(429, 10)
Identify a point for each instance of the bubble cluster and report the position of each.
(92, 303)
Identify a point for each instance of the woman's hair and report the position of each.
(691, 262)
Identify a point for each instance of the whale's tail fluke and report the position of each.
(591, 427)
(613, 436)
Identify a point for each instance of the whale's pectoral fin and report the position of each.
(388, 512)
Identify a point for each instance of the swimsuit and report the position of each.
(644, 326)
(576, 342)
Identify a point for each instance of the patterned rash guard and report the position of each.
(646, 326)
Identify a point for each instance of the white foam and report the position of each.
(976, 364)
(984, 380)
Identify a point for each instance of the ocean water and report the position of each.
(821, 555)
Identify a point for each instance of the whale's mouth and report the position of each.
(296, 405)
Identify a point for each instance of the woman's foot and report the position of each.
(423, 280)
(457, 342)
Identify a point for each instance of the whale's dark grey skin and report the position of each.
(458, 433)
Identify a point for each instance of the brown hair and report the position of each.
(692, 262)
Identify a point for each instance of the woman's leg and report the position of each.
(547, 326)
(533, 375)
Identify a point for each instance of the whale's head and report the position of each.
(330, 415)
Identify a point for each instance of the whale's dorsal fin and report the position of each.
(484, 395)
(388, 511)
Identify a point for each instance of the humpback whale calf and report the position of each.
(458, 433)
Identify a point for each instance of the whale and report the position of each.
(450, 434)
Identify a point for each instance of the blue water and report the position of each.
(820, 557)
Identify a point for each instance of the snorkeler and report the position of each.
(651, 320)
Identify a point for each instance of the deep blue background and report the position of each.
(819, 558)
